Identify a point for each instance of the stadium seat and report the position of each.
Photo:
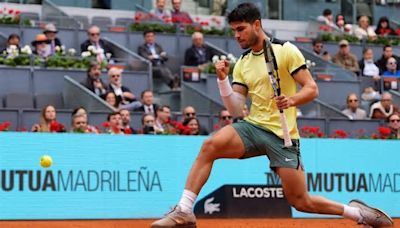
(123, 21)
(54, 99)
(84, 20)
(102, 22)
(19, 100)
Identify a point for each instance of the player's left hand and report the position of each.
(283, 102)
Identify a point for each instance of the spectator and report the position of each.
(124, 95)
(93, 81)
(160, 12)
(162, 123)
(317, 47)
(326, 56)
(391, 68)
(126, 122)
(367, 65)
(193, 124)
(115, 121)
(219, 7)
(363, 30)
(190, 112)
(82, 111)
(147, 100)
(383, 28)
(155, 53)
(198, 54)
(387, 53)
(48, 121)
(100, 46)
(383, 108)
(345, 58)
(111, 99)
(394, 125)
(341, 24)
(12, 43)
(51, 31)
(79, 124)
(224, 118)
(179, 16)
(327, 18)
(353, 111)
(148, 124)
(41, 46)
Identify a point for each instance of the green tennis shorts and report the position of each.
(259, 141)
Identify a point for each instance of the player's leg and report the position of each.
(226, 143)
(294, 187)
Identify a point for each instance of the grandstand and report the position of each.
(25, 89)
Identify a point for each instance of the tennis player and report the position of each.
(261, 133)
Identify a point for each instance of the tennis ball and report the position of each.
(46, 161)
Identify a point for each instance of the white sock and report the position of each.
(352, 213)
(187, 200)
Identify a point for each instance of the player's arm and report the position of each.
(234, 97)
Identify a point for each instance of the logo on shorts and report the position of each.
(288, 159)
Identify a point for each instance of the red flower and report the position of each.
(384, 131)
(22, 129)
(340, 134)
(17, 12)
(5, 126)
(204, 23)
(106, 125)
(10, 11)
(128, 131)
(56, 127)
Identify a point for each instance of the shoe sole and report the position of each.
(373, 208)
(180, 226)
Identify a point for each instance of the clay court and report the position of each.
(212, 223)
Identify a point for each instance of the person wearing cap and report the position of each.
(41, 46)
(51, 33)
(344, 58)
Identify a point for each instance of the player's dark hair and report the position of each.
(245, 12)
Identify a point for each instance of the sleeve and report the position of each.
(294, 58)
(237, 73)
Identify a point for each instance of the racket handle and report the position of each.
(286, 136)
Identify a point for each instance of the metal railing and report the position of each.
(52, 13)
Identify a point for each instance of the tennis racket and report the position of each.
(272, 68)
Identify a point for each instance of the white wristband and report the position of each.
(225, 88)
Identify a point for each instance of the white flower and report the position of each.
(26, 50)
(230, 56)
(223, 57)
(215, 59)
(86, 54)
(99, 51)
(233, 60)
(57, 48)
(71, 51)
(63, 48)
(313, 64)
(91, 48)
(108, 55)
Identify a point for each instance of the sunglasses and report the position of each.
(354, 100)
(149, 121)
(81, 122)
(395, 120)
(392, 63)
(115, 76)
(226, 117)
(188, 114)
(95, 34)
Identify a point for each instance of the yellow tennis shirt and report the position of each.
(251, 71)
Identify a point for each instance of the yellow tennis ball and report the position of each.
(46, 161)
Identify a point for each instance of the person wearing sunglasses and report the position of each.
(224, 119)
(391, 68)
(123, 93)
(386, 54)
(394, 125)
(353, 111)
(94, 39)
(190, 112)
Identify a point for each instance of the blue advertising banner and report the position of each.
(111, 176)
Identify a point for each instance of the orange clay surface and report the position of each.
(201, 223)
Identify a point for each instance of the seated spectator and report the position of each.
(317, 47)
(190, 112)
(79, 124)
(219, 7)
(147, 103)
(111, 99)
(115, 122)
(383, 28)
(391, 75)
(198, 54)
(367, 65)
(82, 111)
(93, 81)
(179, 16)
(224, 118)
(363, 30)
(394, 125)
(51, 31)
(193, 124)
(341, 24)
(163, 118)
(383, 108)
(13, 41)
(327, 19)
(387, 53)
(326, 56)
(100, 46)
(160, 12)
(124, 95)
(353, 111)
(48, 121)
(41, 46)
(126, 122)
(148, 124)
(155, 53)
(344, 58)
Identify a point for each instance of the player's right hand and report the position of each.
(222, 69)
